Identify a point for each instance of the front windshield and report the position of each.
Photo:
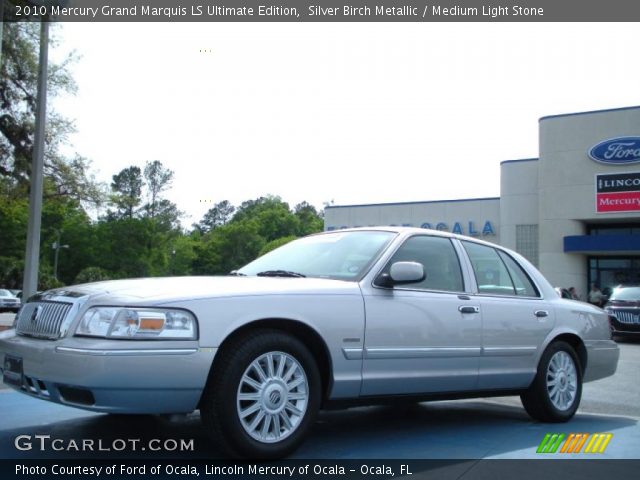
(626, 294)
(5, 293)
(338, 255)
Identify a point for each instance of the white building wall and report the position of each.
(518, 198)
(440, 214)
(566, 193)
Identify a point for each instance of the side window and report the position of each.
(524, 285)
(439, 259)
(491, 273)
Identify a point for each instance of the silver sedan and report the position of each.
(356, 316)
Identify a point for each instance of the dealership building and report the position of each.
(574, 211)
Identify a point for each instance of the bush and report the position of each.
(92, 274)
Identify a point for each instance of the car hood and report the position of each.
(170, 289)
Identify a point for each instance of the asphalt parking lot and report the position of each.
(495, 428)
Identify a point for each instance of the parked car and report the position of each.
(356, 316)
(9, 302)
(624, 310)
(563, 293)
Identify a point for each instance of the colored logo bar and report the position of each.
(574, 443)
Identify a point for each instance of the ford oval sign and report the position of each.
(617, 151)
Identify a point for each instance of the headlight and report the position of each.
(138, 323)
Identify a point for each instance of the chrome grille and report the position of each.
(42, 319)
(627, 317)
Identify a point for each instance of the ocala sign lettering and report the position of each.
(458, 227)
(617, 151)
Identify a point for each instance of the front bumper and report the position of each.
(620, 328)
(602, 359)
(115, 376)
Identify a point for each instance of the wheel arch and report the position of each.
(576, 343)
(300, 330)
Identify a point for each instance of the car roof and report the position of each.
(413, 230)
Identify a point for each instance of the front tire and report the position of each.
(262, 396)
(554, 396)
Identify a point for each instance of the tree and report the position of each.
(228, 247)
(158, 179)
(127, 188)
(310, 219)
(216, 216)
(273, 216)
(18, 88)
(92, 274)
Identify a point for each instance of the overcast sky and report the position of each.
(349, 112)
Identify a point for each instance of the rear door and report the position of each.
(515, 318)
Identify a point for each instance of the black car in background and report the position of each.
(624, 310)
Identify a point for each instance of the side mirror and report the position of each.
(401, 273)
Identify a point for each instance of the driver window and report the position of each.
(439, 259)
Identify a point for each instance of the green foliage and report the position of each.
(127, 189)
(92, 274)
(228, 248)
(216, 216)
(310, 220)
(68, 176)
(11, 273)
(273, 244)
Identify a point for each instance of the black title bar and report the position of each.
(324, 11)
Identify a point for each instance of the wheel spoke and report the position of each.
(249, 410)
(250, 381)
(295, 383)
(249, 397)
(256, 422)
(281, 365)
(290, 372)
(292, 408)
(285, 419)
(276, 426)
(258, 369)
(297, 396)
(270, 369)
(265, 426)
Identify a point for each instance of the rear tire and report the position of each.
(262, 396)
(554, 396)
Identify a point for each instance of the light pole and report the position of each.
(56, 246)
(32, 256)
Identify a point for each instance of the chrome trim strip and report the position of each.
(508, 351)
(122, 352)
(421, 352)
(352, 353)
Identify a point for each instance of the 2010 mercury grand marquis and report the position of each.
(356, 315)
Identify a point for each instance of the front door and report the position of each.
(423, 337)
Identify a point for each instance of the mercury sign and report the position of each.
(617, 151)
(618, 192)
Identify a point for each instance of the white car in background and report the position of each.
(356, 316)
(8, 301)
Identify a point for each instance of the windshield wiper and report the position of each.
(279, 273)
(236, 273)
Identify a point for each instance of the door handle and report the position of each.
(468, 309)
(541, 313)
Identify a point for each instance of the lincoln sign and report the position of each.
(618, 192)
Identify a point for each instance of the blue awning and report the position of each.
(602, 244)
